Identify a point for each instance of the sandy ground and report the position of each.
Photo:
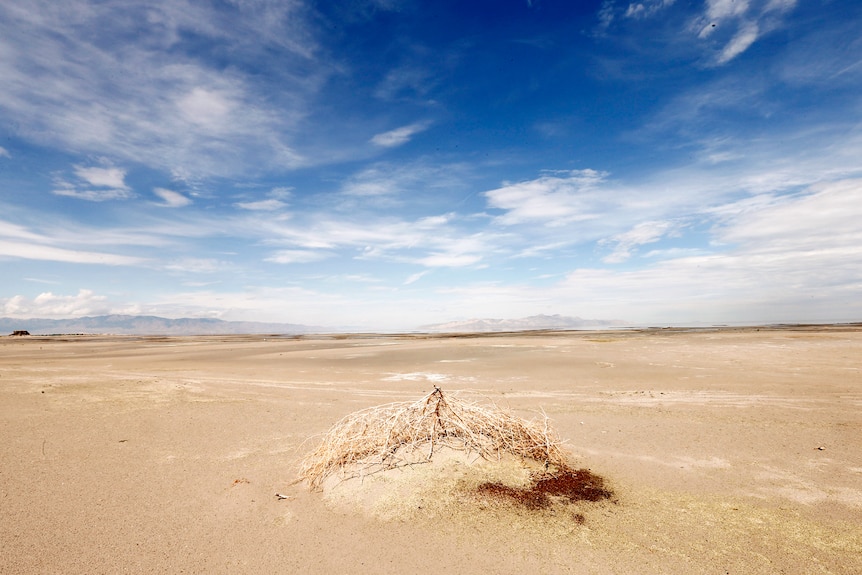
(731, 451)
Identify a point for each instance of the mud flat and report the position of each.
(730, 450)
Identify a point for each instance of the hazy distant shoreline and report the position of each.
(548, 332)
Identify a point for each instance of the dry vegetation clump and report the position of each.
(409, 433)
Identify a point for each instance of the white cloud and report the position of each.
(269, 205)
(780, 5)
(31, 251)
(740, 42)
(197, 265)
(102, 177)
(64, 241)
(385, 182)
(774, 266)
(399, 136)
(94, 184)
(413, 278)
(674, 253)
(605, 15)
(555, 198)
(451, 260)
(74, 81)
(171, 198)
(647, 8)
(378, 180)
(643, 233)
(738, 24)
(728, 160)
(297, 256)
(19, 232)
(281, 192)
(71, 191)
(408, 80)
(207, 108)
(793, 258)
(273, 203)
(287, 304)
(823, 219)
(718, 9)
(542, 250)
(4, 153)
(432, 241)
(773, 257)
(49, 305)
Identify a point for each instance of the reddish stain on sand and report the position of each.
(569, 485)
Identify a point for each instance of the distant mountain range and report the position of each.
(522, 324)
(148, 325)
(153, 325)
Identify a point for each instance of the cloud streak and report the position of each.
(737, 24)
(555, 198)
(398, 136)
(19, 250)
(95, 184)
(171, 199)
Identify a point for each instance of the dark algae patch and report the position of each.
(566, 485)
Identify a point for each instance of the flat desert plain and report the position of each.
(727, 450)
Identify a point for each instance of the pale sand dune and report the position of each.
(732, 451)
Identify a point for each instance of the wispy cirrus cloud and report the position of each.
(783, 258)
(91, 195)
(29, 251)
(153, 100)
(647, 8)
(449, 260)
(171, 199)
(806, 279)
(724, 28)
(197, 265)
(739, 43)
(378, 180)
(822, 219)
(626, 242)
(95, 184)
(269, 205)
(555, 198)
(413, 278)
(737, 24)
(63, 241)
(275, 201)
(432, 241)
(389, 182)
(399, 136)
(102, 177)
(298, 256)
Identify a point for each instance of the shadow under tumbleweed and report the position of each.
(565, 485)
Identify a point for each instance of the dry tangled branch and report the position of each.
(386, 437)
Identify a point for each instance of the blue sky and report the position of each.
(388, 164)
